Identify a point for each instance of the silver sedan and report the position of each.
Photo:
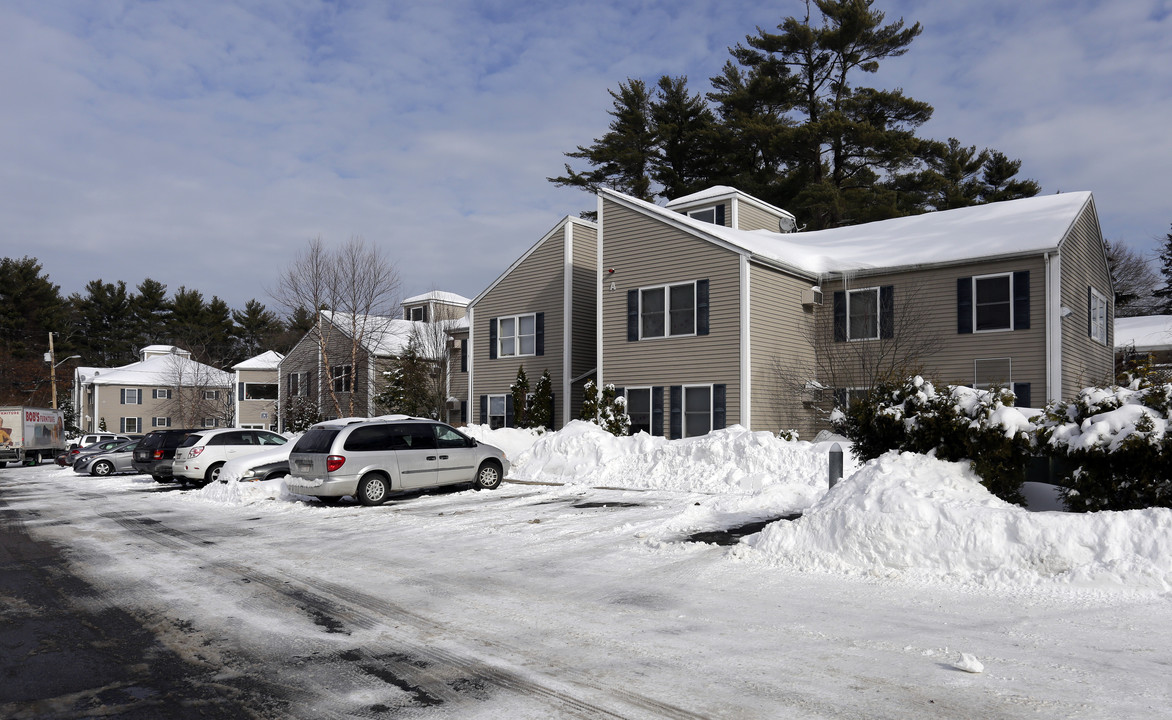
(119, 459)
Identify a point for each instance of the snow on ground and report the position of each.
(913, 516)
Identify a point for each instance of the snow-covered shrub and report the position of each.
(605, 410)
(954, 423)
(1117, 447)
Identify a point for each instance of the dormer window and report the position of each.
(714, 214)
(417, 314)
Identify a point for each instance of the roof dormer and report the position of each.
(727, 206)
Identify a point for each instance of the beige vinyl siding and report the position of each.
(585, 300)
(534, 286)
(782, 352)
(1085, 361)
(339, 351)
(929, 296)
(458, 381)
(249, 412)
(111, 408)
(647, 252)
(751, 217)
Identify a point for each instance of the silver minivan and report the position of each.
(369, 459)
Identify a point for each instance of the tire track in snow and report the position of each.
(437, 674)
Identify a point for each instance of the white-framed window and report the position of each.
(161, 422)
(843, 397)
(161, 393)
(260, 391)
(862, 314)
(131, 425)
(496, 411)
(416, 314)
(639, 409)
(297, 384)
(667, 310)
(1098, 316)
(707, 215)
(342, 377)
(211, 394)
(209, 422)
(993, 302)
(697, 410)
(517, 335)
(131, 397)
(247, 426)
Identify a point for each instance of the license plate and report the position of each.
(304, 466)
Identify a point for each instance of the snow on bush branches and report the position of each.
(1110, 445)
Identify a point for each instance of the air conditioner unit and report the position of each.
(813, 296)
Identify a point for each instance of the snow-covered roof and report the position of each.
(1012, 227)
(384, 336)
(438, 296)
(1146, 333)
(717, 192)
(268, 360)
(158, 371)
(151, 350)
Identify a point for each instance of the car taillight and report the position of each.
(158, 455)
(194, 451)
(334, 462)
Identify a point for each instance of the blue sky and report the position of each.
(203, 144)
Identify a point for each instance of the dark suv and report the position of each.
(156, 451)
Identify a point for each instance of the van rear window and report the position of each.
(317, 440)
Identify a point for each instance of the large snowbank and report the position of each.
(922, 518)
(733, 460)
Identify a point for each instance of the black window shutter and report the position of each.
(964, 305)
(840, 316)
(1090, 313)
(702, 306)
(464, 355)
(464, 411)
(1021, 300)
(424, 313)
(1022, 391)
(122, 396)
(632, 315)
(509, 411)
(492, 339)
(240, 391)
(887, 311)
(620, 392)
(720, 214)
(483, 409)
(539, 330)
(677, 412)
(657, 411)
(718, 400)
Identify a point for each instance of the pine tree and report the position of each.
(152, 313)
(540, 409)
(256, 327)
(520, 392)
(1164, 294)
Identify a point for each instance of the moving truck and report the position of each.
(30, 434)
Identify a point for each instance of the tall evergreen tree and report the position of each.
(1164, 294)
(104, 325)
(30, 307)
(256, 328)
(152, 312)
(688, 148)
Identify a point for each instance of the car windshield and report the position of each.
(152, 440)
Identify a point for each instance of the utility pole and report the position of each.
(52, 372)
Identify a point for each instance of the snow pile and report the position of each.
(244, 493)
(923, 518)
(513, 441)
(733, 460)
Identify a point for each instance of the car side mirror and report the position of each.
(472, 442)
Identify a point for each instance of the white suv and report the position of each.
(203, 453)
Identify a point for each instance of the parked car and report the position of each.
(201, 455)
(371, 459)
(156, 451)
(89, 440)
(65, 459)
(117, 459)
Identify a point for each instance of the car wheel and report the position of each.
(101, 467)
(161, 479)
(488, 477)
(373, 489)
(213, 473)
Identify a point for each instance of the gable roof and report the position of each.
(725, 192)
(158, 371)
(569, 219)
(383, 336)
(1002, 229)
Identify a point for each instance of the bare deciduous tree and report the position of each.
(198, 392)
(1134, 279)
(357, 288)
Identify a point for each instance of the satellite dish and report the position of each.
(786, 224)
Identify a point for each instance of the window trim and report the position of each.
(692, 214)
(504, 414)
(126, 421)
(161, 394)
(975, 278)
(516, 336)
(1092, 325)
(878, 314)
(211, 394)
(666, 288)
(343, 374)
(297, 384)
(276, 391)
(161, 422)
(413, 311)
(210, 422)
(127, 393)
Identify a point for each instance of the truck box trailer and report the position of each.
(29, 434)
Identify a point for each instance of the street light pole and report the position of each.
(53, 368)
